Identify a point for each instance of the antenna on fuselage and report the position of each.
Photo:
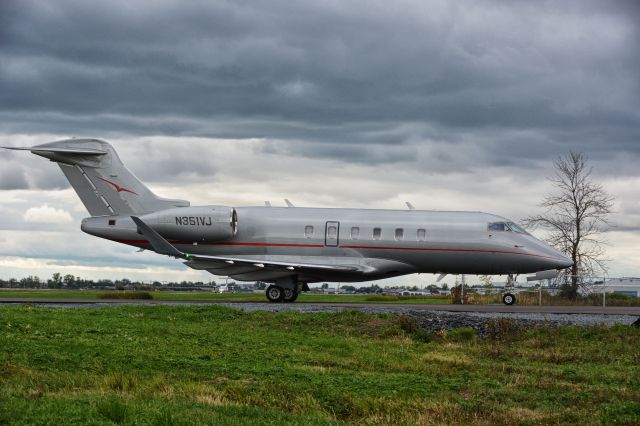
(267, 203)
(409, 205)
(289, 203)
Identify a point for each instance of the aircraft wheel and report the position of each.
(289, 295)
(508, 299)
(275, 293)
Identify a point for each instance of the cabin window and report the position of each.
(399, 234)
(421, 235)
(332, 231)
(308, 231)
(377, 233)
(355, 233)
(112, 222)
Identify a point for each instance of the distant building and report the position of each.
(629, 286)
(415, 293)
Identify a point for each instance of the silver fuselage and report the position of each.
(408, 241)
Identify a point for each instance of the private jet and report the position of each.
(290, 247)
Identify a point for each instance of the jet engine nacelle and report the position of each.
(207, 223)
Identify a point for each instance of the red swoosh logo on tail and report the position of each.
(117, 187)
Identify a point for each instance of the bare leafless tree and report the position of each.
(575, 216)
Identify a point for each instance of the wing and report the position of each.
(247, 268)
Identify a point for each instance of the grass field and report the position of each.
(230, 297)
(214, 365)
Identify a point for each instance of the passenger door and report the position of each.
(331, 232)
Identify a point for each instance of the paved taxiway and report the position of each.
(497, 308)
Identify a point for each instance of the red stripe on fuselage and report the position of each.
(251, 244)
(445, 249)
(233, 243)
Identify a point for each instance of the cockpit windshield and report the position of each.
(506, 226)
(516, 228)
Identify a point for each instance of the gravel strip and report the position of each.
(482, 322)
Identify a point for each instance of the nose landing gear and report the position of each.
(508, 298)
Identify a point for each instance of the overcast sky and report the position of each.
(450, 105)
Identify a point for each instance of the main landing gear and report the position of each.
(284, 291)
(276, 293)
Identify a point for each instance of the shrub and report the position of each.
(112, 409)
(381, 298)
(463, 334)
(125, 295)
(456, 292)
(408, 324)
(422, 335)
(502, 329)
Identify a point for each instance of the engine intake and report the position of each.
(206, 224)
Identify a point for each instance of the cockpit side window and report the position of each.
(498, 226)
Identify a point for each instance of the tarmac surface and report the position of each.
(494, 308)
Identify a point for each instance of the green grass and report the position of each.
(228, 297)
(213, 365)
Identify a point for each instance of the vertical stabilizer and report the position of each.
(103, 183)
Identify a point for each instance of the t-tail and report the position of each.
(105, 186)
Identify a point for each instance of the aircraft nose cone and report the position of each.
(564, 262)
(560, 260)
(555, 259)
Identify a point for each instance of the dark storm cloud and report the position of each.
(12, 177)
(525, 80)
(18, 174)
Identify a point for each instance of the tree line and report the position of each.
(69, 281)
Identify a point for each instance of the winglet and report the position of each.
(159, 244)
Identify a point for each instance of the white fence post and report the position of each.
(540, 293)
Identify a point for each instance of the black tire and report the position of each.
(274, 293)
(289, 295)
(508, 299)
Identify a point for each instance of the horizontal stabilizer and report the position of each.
(77, 151)
(103, 183)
